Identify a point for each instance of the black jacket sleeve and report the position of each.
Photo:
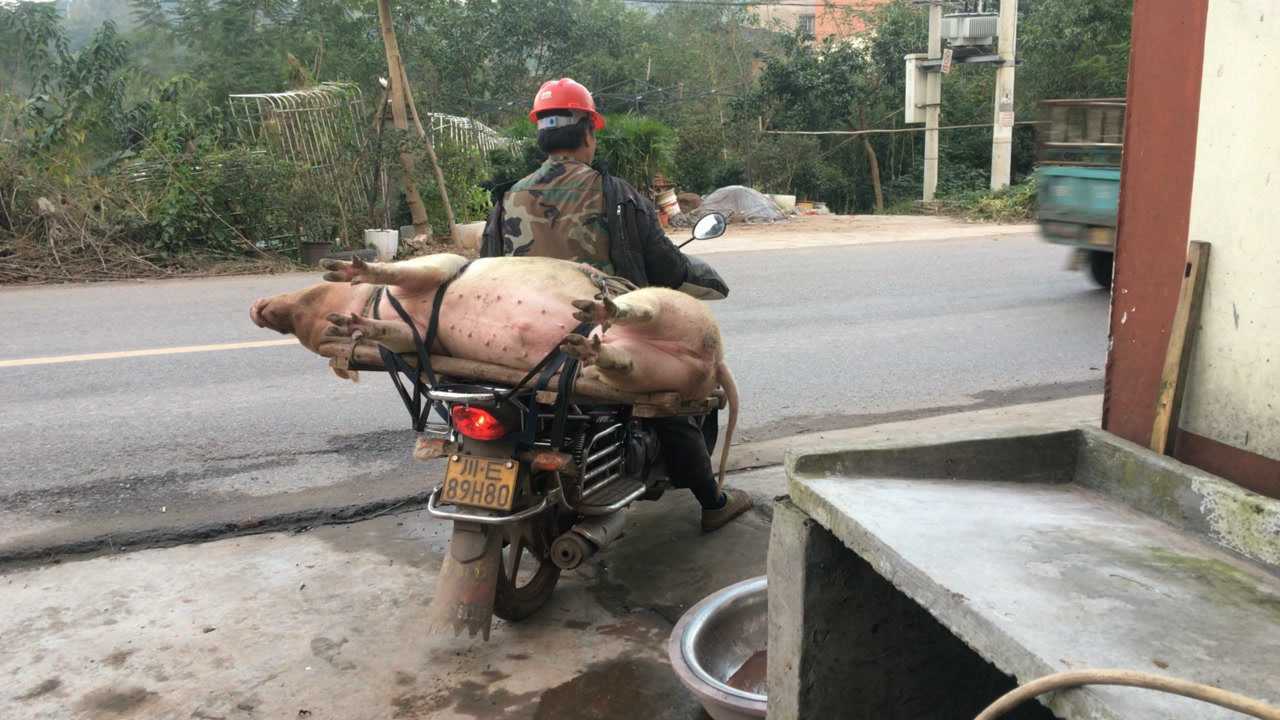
(491, 239)
(663, 263)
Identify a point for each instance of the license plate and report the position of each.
(1101, 236)
(480, 483)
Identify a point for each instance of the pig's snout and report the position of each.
(268, 314)
(255, 312)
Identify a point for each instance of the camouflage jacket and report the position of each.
(558, 211)
(578, 213)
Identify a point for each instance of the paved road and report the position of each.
(818, 338)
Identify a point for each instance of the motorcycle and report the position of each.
(534, 486)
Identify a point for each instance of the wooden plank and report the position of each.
(1177, 357)
(668, 402)
(689, 407)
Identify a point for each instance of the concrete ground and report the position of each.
(328, 623)
(832, 323)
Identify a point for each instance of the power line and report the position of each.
(892, 130)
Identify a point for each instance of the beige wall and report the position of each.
(1233, 393)
(781, 17)
(831, 17)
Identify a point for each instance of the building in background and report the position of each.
(818, 20)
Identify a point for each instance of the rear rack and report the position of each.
(364, 356)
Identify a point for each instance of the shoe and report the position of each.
(736, 502)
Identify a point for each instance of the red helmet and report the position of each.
(565, 94)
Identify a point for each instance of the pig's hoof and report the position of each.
(344, 271)
(586, 351)
(591, 353)
(602, 312)
(394, 335)
(353, 326)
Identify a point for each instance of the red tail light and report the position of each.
(477, 423)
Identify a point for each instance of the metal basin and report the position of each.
(718, 650)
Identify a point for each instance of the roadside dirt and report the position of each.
(116, 264)
(834, 230)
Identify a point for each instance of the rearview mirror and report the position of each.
(710, 226)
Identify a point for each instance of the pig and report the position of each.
(512, 311)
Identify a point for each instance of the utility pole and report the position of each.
(1002, 132)
(400, 117)
(933, 101)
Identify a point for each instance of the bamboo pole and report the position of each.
(431, 154)
(400, 118)
(379, 172)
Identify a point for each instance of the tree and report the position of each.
(637, 148)
(1073, 48)
(30, 35)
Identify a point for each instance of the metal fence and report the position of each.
(327, 130)
(467, 133)
(321, 129)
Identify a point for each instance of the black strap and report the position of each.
(413, 403)
(418, 412)
(568, 376)
(549, 364)
(375, 299)
(554, 361)
(433, 323)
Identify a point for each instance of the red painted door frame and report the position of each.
(1161, 120)
(1161, 123)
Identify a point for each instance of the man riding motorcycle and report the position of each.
(566, 209)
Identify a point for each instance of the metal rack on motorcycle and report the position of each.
(365, 357)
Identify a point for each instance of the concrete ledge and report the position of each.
(1182, 495)
(1049, 568)
(1029, 418)
(1011, 456)
(844, 643)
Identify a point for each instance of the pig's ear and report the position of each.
(352, 375)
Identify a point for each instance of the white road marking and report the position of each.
(55, 359)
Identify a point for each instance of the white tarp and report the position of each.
(739, 204)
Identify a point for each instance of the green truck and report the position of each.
(1079, 179)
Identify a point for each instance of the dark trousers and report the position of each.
(687, 443)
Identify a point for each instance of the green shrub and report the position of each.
(222, 203)
(1013, 204)
(637, 148)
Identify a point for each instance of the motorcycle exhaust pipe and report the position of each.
(587, 538)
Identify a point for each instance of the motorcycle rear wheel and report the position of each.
(523, 590)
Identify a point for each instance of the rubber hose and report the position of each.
(1130, 678)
